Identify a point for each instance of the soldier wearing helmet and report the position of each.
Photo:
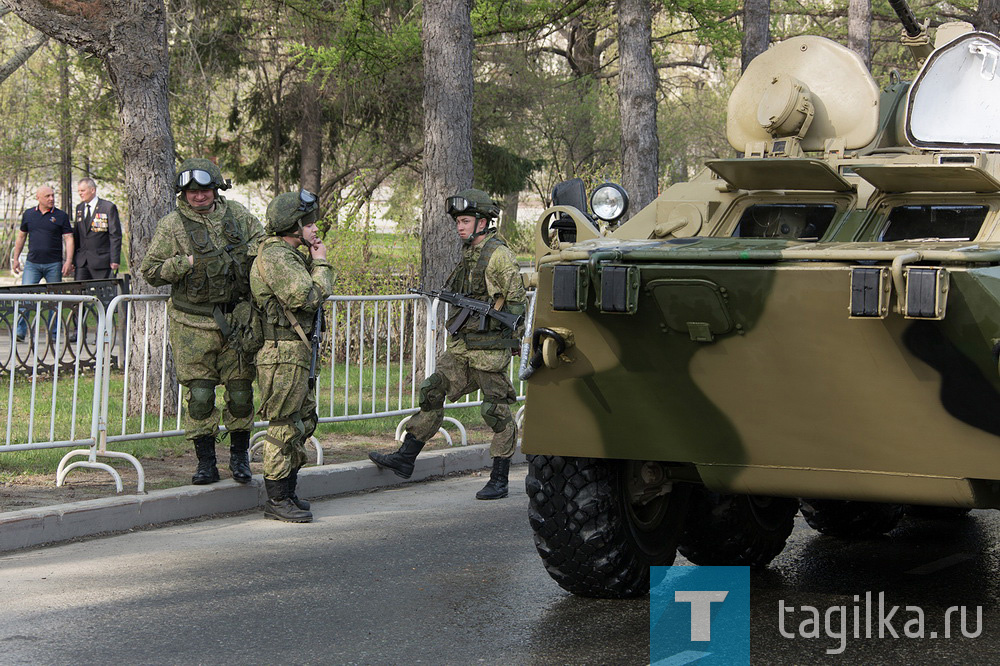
(473, 360)
(289, 287)
(203, 251)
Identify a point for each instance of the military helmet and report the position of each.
(199, 173)
(288, 211)
(472, 202)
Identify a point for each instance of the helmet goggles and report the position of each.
(194, 179)
(307, 201)
(460, 205)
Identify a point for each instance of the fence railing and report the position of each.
(375, 352)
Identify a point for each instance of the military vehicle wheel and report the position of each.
(936, 512)
(848, 519)
(600, 524)
(736, 530)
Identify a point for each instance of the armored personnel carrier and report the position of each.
(814, 324)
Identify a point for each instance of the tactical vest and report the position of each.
(472, 283)
(275, 322)
(220, 276)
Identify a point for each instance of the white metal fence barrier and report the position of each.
(375, 351)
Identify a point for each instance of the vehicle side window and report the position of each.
(806, 222)
(934, 222)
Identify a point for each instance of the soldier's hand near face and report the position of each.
(317, 250)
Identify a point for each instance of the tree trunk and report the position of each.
(310, 137)
(756, 30)
(508, 221)
(138, 68)
(637, 104)
(65, 134)
(129, 36)
(447, 105)
(987, 17)
(584, 62)
(859, 29)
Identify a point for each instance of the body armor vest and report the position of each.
(220, 276)
(471, 281)
(276, 324)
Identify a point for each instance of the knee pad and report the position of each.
(240, 396)
(496, 415)
(432, 392)
(201, 400)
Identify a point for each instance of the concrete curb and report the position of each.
(62, 522)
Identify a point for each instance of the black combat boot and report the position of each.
(279, 505)
(496, 487)
(400, 462)
(239, 460)
(207, 472)
(293, 480)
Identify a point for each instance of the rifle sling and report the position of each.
(294, 322)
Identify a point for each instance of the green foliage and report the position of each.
(368, 263)
(498, 170)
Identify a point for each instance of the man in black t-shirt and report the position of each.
(48, 231)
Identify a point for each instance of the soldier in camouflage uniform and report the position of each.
(289, 288)
(203, 250)
(472, 360)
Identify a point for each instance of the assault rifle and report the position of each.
(315, 339)
(469, 306)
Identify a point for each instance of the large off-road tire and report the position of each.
(594, 540)
(848, 519)
(923, 512)
(736, 530)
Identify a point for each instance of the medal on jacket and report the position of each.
(99, 223)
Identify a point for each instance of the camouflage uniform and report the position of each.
(203, 356)
(474, 361)
(284, 276)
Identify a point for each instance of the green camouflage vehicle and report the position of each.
(814, 325)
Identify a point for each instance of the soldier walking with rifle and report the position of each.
(488, 300)
(289, 287)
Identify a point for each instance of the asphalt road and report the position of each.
(426, 574)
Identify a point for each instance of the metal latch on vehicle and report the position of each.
(871, 288)
(926, 293)
(619, 289)
(570, 285)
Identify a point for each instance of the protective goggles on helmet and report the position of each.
(307, 201)
(458, 205)
(199, 177)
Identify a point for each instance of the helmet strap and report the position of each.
(477, 234)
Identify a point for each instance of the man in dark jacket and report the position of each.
(97, 233)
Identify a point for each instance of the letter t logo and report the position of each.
(701, 606)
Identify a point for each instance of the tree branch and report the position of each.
(21, 55)
(83, 25)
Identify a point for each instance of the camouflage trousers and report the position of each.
(289, 405)
(203, 361)
(455, 377)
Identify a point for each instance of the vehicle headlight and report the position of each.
(609, 202)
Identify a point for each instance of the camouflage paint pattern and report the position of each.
(742, 366)
(284, 273)
(199, 350)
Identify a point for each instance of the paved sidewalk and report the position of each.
(61, 522)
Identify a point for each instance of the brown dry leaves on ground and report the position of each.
(170, 471)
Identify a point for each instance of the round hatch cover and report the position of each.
(955, 100)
